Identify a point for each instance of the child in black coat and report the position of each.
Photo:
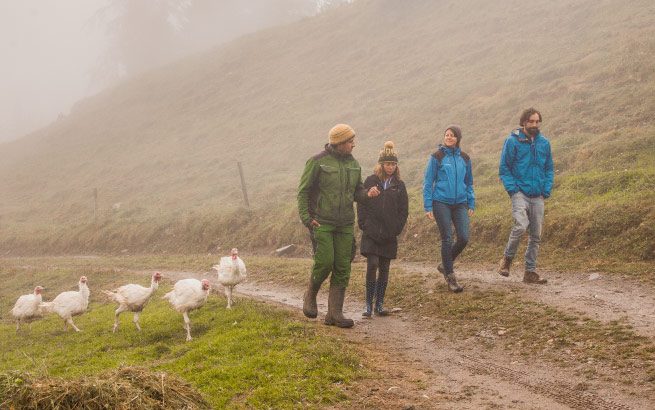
(381, 220)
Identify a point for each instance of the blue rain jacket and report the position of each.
(449, 181)
(526, 165)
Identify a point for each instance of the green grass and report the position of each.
(250, 356)
(611, 350)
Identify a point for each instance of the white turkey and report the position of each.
(133, 298)
(231, 272)
(187, 295)
(27, 307)
(69, 304)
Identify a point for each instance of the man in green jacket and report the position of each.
(330, 183)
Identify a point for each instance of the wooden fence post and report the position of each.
(243, 185)
(95, 206)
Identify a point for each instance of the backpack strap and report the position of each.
(438, 155)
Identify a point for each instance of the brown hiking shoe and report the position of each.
(533, 277)
(504, 265)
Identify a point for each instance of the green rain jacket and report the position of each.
(329, 185)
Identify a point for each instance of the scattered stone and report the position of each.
(285, 250)
(485, 334)
(393, 388)
(594, 276)
(502, 332)
(396, 310)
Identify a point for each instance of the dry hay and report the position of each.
(124, 388)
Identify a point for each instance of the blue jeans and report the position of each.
(528, 214)
(447, 216)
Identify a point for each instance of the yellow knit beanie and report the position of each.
(340, 133)
(388, 154)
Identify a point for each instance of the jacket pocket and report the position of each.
(329, 177)
(354, 175)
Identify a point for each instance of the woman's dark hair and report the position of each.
(527, 114)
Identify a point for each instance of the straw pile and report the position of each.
(125, 388)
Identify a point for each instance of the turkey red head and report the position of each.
(205, 284)
(38, 290)
(156, 276)
(235, 253)
(83, 279)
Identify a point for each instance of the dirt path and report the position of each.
(418, 370)
(596, 295)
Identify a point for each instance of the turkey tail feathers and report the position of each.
(111, 294)
(46, 307)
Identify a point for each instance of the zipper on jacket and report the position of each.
(382, 194)
(455, 164)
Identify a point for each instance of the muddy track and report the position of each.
(596, 295)
(453, 376)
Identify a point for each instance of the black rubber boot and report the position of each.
(380, 290)
(335, 308)
(370, 294)
(309, 306)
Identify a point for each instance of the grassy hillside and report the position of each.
(165, 145)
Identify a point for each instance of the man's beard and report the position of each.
(532, 131)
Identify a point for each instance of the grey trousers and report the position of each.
(528, 214)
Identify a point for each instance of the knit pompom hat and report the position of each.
(457, 131)
(388, 154)
(340, 133)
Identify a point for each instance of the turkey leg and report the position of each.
(118, 311)
(136, 321)
(187, 326)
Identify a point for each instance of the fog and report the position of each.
(57, 52)
(47, 50)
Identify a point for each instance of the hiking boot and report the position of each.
(533, 277)
(334, 316)
(382, 312)
(503, 268)
(452, 283)
(309, 306)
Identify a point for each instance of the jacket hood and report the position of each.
(446, 150)
(520, 135)
(330, 149)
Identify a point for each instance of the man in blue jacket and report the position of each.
(526, 169)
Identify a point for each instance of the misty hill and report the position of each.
(165, 145)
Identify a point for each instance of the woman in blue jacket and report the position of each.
(449, 199)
